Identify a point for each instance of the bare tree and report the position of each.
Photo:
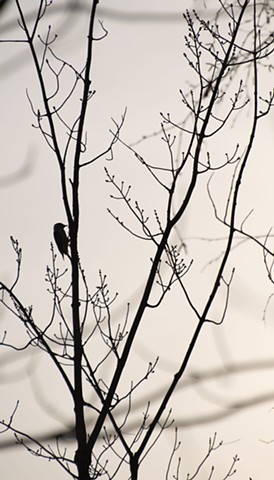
(113, 431)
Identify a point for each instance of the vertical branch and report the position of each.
(86, 96)
(30, 40)
(81, 458)
(73, 219)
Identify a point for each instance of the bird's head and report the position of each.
(59, 226)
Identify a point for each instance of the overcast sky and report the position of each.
(140, 67)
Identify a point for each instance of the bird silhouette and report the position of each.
(61, 238)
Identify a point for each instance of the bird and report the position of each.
(61, 238)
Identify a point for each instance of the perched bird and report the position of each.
(61, 238)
